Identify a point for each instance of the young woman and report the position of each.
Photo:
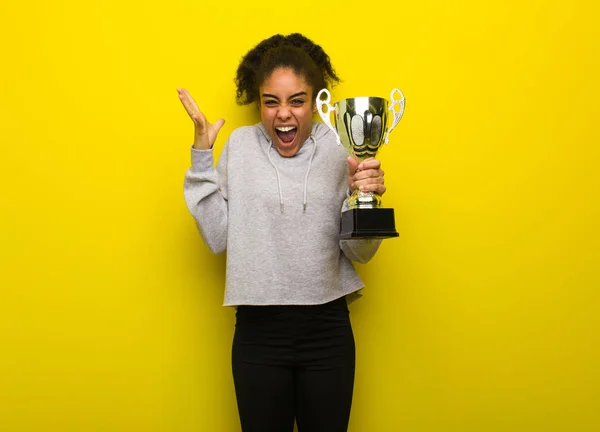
(274, 202)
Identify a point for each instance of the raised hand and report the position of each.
(367, 176)
(205, 133)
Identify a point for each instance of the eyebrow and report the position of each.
(302, 93)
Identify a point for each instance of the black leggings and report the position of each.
(294, 362)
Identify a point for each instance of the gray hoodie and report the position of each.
(277, 217)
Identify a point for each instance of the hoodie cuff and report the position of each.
(202, 159)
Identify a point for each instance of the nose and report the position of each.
(284, 113)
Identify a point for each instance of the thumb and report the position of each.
(352, 165)
(219, 124)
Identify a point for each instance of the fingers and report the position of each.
(369, 163)
(205, 133)
(368, 177)
(188, 102)
(369, 184)
(370, 173)
(196, 115)
(187, 99)
(379, 189)
(192, 109)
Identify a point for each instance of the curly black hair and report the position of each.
(293, 51)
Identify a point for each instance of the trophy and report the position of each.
(362, 125)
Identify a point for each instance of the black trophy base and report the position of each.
(368, 223)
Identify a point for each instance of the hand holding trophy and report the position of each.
(361, 124)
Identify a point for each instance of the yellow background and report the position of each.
(482, 316)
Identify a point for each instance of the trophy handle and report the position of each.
(326, 116)
(397, 115)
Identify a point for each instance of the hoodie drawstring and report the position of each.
(278, 178)
(312, 155)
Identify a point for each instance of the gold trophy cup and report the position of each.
(362, 125)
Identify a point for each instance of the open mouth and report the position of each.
(286, 134)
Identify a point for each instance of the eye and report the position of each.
(297, 102)
(270, 102)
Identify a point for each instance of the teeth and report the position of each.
(285, 128)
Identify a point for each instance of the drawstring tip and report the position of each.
(281, 207)
(304, 207)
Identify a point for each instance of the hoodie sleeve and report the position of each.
(362, 250)
(205, 193)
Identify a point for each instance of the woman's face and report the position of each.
(286, 109)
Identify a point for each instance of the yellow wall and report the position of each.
(482, 316)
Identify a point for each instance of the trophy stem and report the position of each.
(364, 200)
